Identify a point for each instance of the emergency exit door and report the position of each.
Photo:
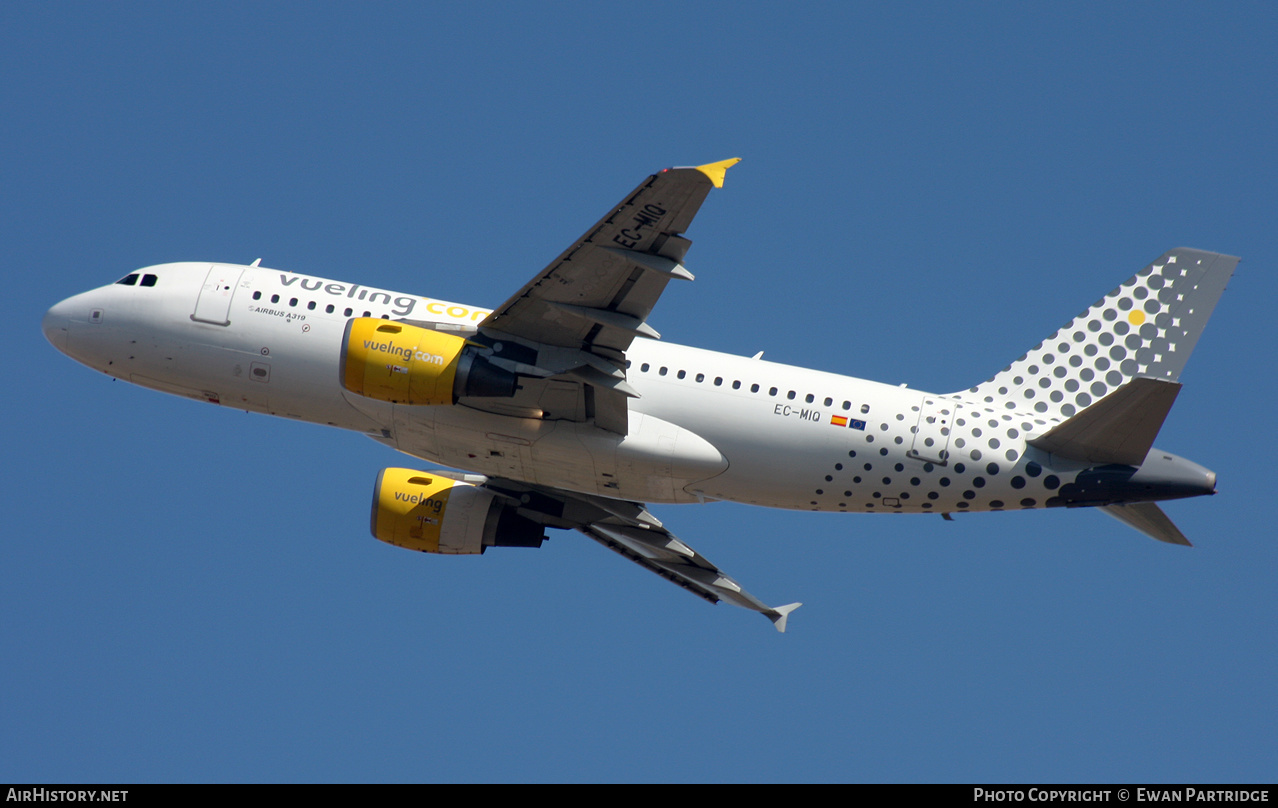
(214, 303)
(932, 433)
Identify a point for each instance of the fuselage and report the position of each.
(705, 426)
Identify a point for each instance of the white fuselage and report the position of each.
(706, 425)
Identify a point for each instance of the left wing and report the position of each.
(574, 322)
(629, 529)
(565, 335)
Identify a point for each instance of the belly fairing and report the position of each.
(656, 461)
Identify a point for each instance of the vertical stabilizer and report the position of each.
(1146, 327)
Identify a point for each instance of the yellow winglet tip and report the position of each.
(716, 171)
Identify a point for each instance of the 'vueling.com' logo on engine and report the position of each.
(407, 353)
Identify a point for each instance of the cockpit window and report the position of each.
(128, 280)
(148, 280)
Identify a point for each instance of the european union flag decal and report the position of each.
(855, 424)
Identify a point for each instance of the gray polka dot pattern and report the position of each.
(973, 451)
(1146, 327)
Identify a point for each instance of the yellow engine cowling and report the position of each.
(421, 511)
(400, 363)
(407, 364)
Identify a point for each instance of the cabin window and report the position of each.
(682, 374)
(772, 391)
(275, 298)
(718, 381)
(790, 395)
(292, 302)
(644, 367)
(310, 306)
(701, 377)
(662, 371)
(847, 405)
(809, 398)
(736, 385)
(828, 401)
(329, 309)
(257, 295)
(865, 409)
(754, 388)
(348, 311)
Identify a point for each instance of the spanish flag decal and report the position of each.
(839, 420)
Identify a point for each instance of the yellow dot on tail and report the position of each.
(1136, 317)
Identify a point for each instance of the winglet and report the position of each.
(716, 171)
(779, 615)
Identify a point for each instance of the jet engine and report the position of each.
(407, 364)
(422, 511)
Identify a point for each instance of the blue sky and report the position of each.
(927, 190)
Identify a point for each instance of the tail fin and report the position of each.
(1146, 327)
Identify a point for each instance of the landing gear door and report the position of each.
(214, 303)
(932, 433)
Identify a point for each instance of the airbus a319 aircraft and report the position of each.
(561, 408)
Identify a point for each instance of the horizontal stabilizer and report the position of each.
(1149, 519)
(1119, 428)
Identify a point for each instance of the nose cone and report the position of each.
(55, 325)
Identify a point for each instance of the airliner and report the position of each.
(562, 408)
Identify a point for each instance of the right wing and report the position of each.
(628, 529)
(657, 549)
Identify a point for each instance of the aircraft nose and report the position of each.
(55, 325)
